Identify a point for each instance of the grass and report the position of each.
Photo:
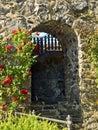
(29, 122)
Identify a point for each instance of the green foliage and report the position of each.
(94, 53)
(29, 122)
(16, 58)
(64, 129)
(92, 50)
(92, 41)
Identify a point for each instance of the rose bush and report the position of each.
(16, 58)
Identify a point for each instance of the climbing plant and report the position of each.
(89, 38)
(16, 58)
(92, 49)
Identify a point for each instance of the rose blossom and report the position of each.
(27, 32)
(28, 72)
(24, 91)
(14, 99)
(37, 33)
(8, 47)
(24, 43)
(20, 48)
(1, 67)
(3, 106)
(26, 99)
(7, 80)
(14, 31)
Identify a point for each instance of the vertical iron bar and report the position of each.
(45, 43)
(38, 44)
(52, 42)
(48, 42)
(55, 44)
(41, 45)
(34, 40)
(35, 50)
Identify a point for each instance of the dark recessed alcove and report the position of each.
(55, 76)
(48, 79)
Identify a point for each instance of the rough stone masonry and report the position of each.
(76, 13)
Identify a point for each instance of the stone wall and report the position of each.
(77, 14)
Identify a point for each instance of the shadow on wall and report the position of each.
(48, 78)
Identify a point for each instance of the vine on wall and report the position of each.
(91, 49)
(16, 58)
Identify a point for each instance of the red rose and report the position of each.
(20, 48)
(1, 67)
(8, 48)
(24, 91)
(3, 105)
(24, 43)
(14, 99)
(14, 31)
(7, 80)
(37, 33)
(28, 72)
(26, 99)
(7, 39)
(27, 32)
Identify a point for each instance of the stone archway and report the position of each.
(68, 39)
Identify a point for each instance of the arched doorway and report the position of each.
(63, 92)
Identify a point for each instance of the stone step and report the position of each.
(41, 107)
(53, 113)
(58, 111)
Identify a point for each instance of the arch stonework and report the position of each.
(68, 39)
